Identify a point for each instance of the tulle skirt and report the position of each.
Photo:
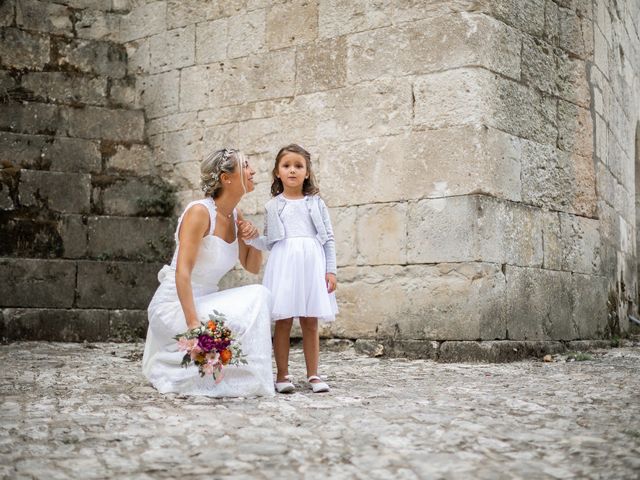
(295, 274)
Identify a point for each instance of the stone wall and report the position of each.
(82, 215)
(477, 155)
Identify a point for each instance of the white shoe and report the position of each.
(317, 387)
(286, 386)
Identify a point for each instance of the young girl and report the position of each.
(301, 270)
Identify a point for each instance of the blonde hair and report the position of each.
(214, 165)
(309, 186)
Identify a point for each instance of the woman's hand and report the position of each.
(246, 230)
(332, 282)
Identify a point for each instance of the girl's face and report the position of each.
(246, 174)
(292, 170)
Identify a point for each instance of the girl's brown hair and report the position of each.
(309, 187)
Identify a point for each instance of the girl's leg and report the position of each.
(281, 340)
(310, 344)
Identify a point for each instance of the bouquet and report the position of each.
(211, 346)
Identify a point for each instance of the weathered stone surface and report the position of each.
(212, 39)
(558, 180)
(172, 49)
(133, 196)
(339, 17)
(56, 325)
(127, 325)
(171, 123)
(90, 56)
(411, 48)
(292, 23)
(135, 159)
(343, 221)
(25, 236)
(29, 118)
(7, 13)
(57, 191)
(37, 283)
(61, 87)
(33, 52)
(475, 96)
(73, 231)
(176, 147)
(432, 163)
(147, 238)
(321, 65)
(446, 301)
(22, 150)
(119, 285)
(97, 25)
(526, 16)
(44, 17)
(552, 241)
(382, 234)
(581, 244)
(575, 129)
(589, 314)
(539, 65)
(539, 304)
(105, 124)
(138, 57)
(72, 155)
(571, 81)
(185, 12)
(473, 228)
(122, 93)
(246, 34)
(143, 21)
(159, 94)
(496, 352)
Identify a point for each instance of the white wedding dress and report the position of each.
(247, 310)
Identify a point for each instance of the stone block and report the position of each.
(147, 239)
(25, 236)
(539, 304)
(412, 10)
(56, 325)
(580, 244)
(185, 12)
(526, 16)
(143, 21)
(339, 17)
(212, 39)
(558, 180)
(127, 325)
(431, 163)
(321, 65)
(72, 155)
(159, 94)
(22, 150)
(475, 96)
(34, 118)
(539, 65)
(63, 87)
(46, 17)
(552, 241)
(90, 56)
(97, 25)
(292, 23)
(105, 124)
(473, 228)
(344, 230)
(7, 13)
(138, 57)
(73, 231)
(128, 196)
(382, 234)
(6, 200)
(194, 93)
(24, 49)
(136, 159)
(172, 49)
(497, 351)
(439, 302)
(123, 93)
(590, 305)
(571, 35)
(412, 48)
(246, 34)
(120, 285)
(37, 283)
(57, 191)
(172, 123)
(575, 129)
(176, 147)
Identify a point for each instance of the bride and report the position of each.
(207, 247)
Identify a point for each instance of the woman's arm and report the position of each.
(195, 224)
(250, 257)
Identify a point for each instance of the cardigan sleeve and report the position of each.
(330, 245)
(261, 242)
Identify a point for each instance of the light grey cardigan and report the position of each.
(274, 228)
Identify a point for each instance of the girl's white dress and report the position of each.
(247, 311)
(295, 271)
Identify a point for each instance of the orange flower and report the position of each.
(211, 325)
(225, 356)
(200, 357)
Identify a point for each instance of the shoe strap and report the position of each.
(313, 377)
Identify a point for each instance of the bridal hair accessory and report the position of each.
(208, 182)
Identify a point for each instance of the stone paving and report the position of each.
(85, 411)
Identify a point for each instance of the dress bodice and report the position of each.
(296, 219)
(215, 256)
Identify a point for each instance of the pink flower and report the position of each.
(208, 368)
(195, 352)
(183, 344)
(212, 357)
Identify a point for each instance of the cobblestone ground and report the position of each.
(85, 411)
